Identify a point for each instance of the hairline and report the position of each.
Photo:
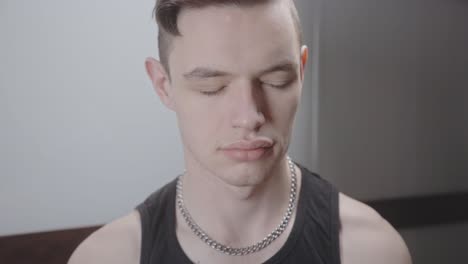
(166, 37)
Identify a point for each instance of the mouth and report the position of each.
(248, 150)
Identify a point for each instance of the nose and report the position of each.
(247, 107)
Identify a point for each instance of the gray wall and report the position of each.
(438, 244)
(393, 116)
(83, 137)
(393, 82)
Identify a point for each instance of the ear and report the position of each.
(304, 58)
(160, 80)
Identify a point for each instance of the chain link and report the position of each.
(243, 250)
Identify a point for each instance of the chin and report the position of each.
(243, 174)
(239, 179)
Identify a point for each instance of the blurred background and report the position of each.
(384, 114)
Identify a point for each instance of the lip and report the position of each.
(248, 150)
(249, 144)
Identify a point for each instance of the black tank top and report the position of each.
(314, 238)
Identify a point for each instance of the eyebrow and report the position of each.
(204, 73)
(286, 66)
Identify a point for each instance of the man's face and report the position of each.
(235, 77)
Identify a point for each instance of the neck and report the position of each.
(236, 215)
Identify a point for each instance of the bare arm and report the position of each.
(117, 242)
(367, 238)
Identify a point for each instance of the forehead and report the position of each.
(235, 38)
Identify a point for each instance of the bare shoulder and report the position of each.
(116, 242)
(366, 237)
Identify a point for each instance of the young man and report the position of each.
(232, 71)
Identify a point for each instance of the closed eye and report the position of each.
(211, 93)
(277, 85)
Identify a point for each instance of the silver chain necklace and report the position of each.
(243, 250)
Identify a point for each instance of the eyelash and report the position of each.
(212, 93)
(276, 86)
(280, 86)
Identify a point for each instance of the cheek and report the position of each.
(283, 109)
(200, 123)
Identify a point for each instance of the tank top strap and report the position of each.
(320, 209)
(158, 240)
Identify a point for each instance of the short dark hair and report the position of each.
(166, 13)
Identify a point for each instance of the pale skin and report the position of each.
(246, 57)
